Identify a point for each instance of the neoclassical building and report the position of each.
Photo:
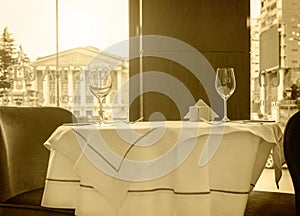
(62, 80)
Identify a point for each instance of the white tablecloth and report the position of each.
(154, 168)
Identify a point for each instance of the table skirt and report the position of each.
(219, 188)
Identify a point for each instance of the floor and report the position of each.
(266, 182)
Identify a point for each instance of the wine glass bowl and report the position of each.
(225, 85)
(100, 84)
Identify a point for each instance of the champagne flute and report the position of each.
(100, 84)
(225, 85)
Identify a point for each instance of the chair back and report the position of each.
(291, 145)
(23, 158)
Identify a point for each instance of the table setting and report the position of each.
(196, 166)
(85, 163)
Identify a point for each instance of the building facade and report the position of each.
(63, 80)
(279, 52)
(254, 67)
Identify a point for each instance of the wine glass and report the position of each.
(100, 84)
(225, 85)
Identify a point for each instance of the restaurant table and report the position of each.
(159, 168)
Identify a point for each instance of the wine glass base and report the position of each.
(225, 119)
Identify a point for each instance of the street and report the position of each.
(266, 182)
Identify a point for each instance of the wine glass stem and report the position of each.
(101, 110)
(225, 118)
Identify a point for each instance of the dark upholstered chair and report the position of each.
(291, 144)
(24, 159)
(266, 203)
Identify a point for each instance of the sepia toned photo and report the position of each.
(149, 107)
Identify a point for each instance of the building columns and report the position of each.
(119, 84)
(70, 86)
(82, 91)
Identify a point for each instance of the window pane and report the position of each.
(49, 57)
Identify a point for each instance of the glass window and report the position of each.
(279, 28)
(85, 31)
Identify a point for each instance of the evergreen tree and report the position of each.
(9, 56)
(7, 50)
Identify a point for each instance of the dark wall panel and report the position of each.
(216, 29)
(204, 24)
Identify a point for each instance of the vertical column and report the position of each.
(282, 61)
(46, 90)
(34, 84)
(262, 92)
(119, 85)
(82, 92)
(281, 84)
(70, 86)
(58, 89)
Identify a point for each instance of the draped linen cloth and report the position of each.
(152, 168)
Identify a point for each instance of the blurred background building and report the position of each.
(279, 58)
(39, 83)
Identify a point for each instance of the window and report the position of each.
(84, 29)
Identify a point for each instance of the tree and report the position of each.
(8, 51)
(9, 56)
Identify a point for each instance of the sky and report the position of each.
(98, 23)
(255, 8)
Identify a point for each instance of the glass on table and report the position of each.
(225, 85)
(100, 84)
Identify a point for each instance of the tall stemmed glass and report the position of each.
(100, 84)
(225, 85)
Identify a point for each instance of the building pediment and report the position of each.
(81, 56)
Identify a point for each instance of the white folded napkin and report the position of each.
(200, 111)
